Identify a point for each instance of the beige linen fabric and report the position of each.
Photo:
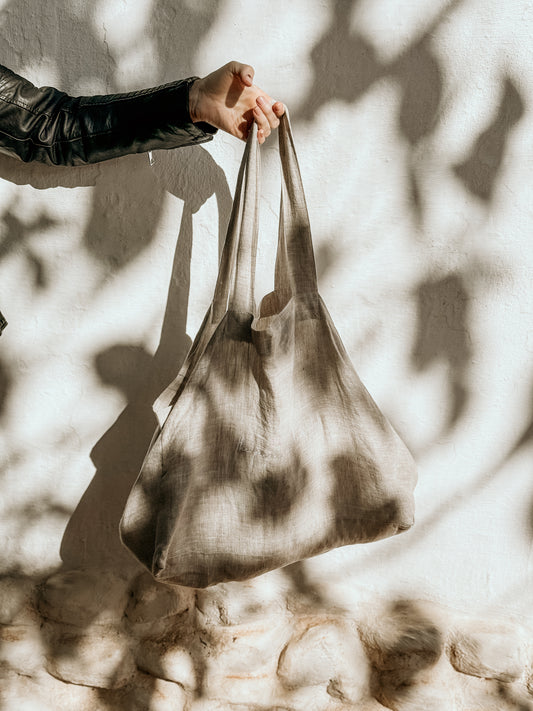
(269, 449)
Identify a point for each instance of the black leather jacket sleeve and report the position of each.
(49, 126)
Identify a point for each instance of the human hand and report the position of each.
(228, 99)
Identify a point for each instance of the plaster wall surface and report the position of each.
(413, 127)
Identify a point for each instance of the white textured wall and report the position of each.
(413, 127)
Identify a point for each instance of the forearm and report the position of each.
(49, 126)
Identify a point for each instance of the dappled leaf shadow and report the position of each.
(405, 644)
(6, 381)
(420, 75)
(307, 592)
(479, 171)
(443, 315)
(326, 257)
(526, 437)
(277, 492)
(346, 54)
(524, 441)
(353, 499)
(353, 67)
(188, 21)
(127, 203)
(509, 696)
(75, 48)
(17, 239)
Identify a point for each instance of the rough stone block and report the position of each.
(404, 643)
(403, 636)
(415, 690)
(241, 663)
(83, 597)
(150, 601)
(490, 650)
(327, 653)
(252, 648)
(489, 694)
(244, 689)
(101, 659)
(170, 663)
(243, 603)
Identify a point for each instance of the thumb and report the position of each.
(244, 71)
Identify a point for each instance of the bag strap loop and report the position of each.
(235, 283)
(295, 263)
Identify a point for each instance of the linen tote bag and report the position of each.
(269, 448)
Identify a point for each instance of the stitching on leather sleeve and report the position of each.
(29, 139)
(22, 106)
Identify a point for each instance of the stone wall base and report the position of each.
(89, 640)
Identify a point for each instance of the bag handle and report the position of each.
(295, 265)
(295, 262)
(295, 271)
(236, 275)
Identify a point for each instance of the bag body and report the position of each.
(269, 449)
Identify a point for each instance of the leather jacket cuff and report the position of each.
(140, 121)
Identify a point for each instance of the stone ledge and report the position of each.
(489, 650)
(99, 658)
(83, 597)
(327, 653)
(150, 641)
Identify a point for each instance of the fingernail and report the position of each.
(261, 100)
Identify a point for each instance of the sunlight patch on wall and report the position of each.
(115, 15)
(275, 42)
(390, 27)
